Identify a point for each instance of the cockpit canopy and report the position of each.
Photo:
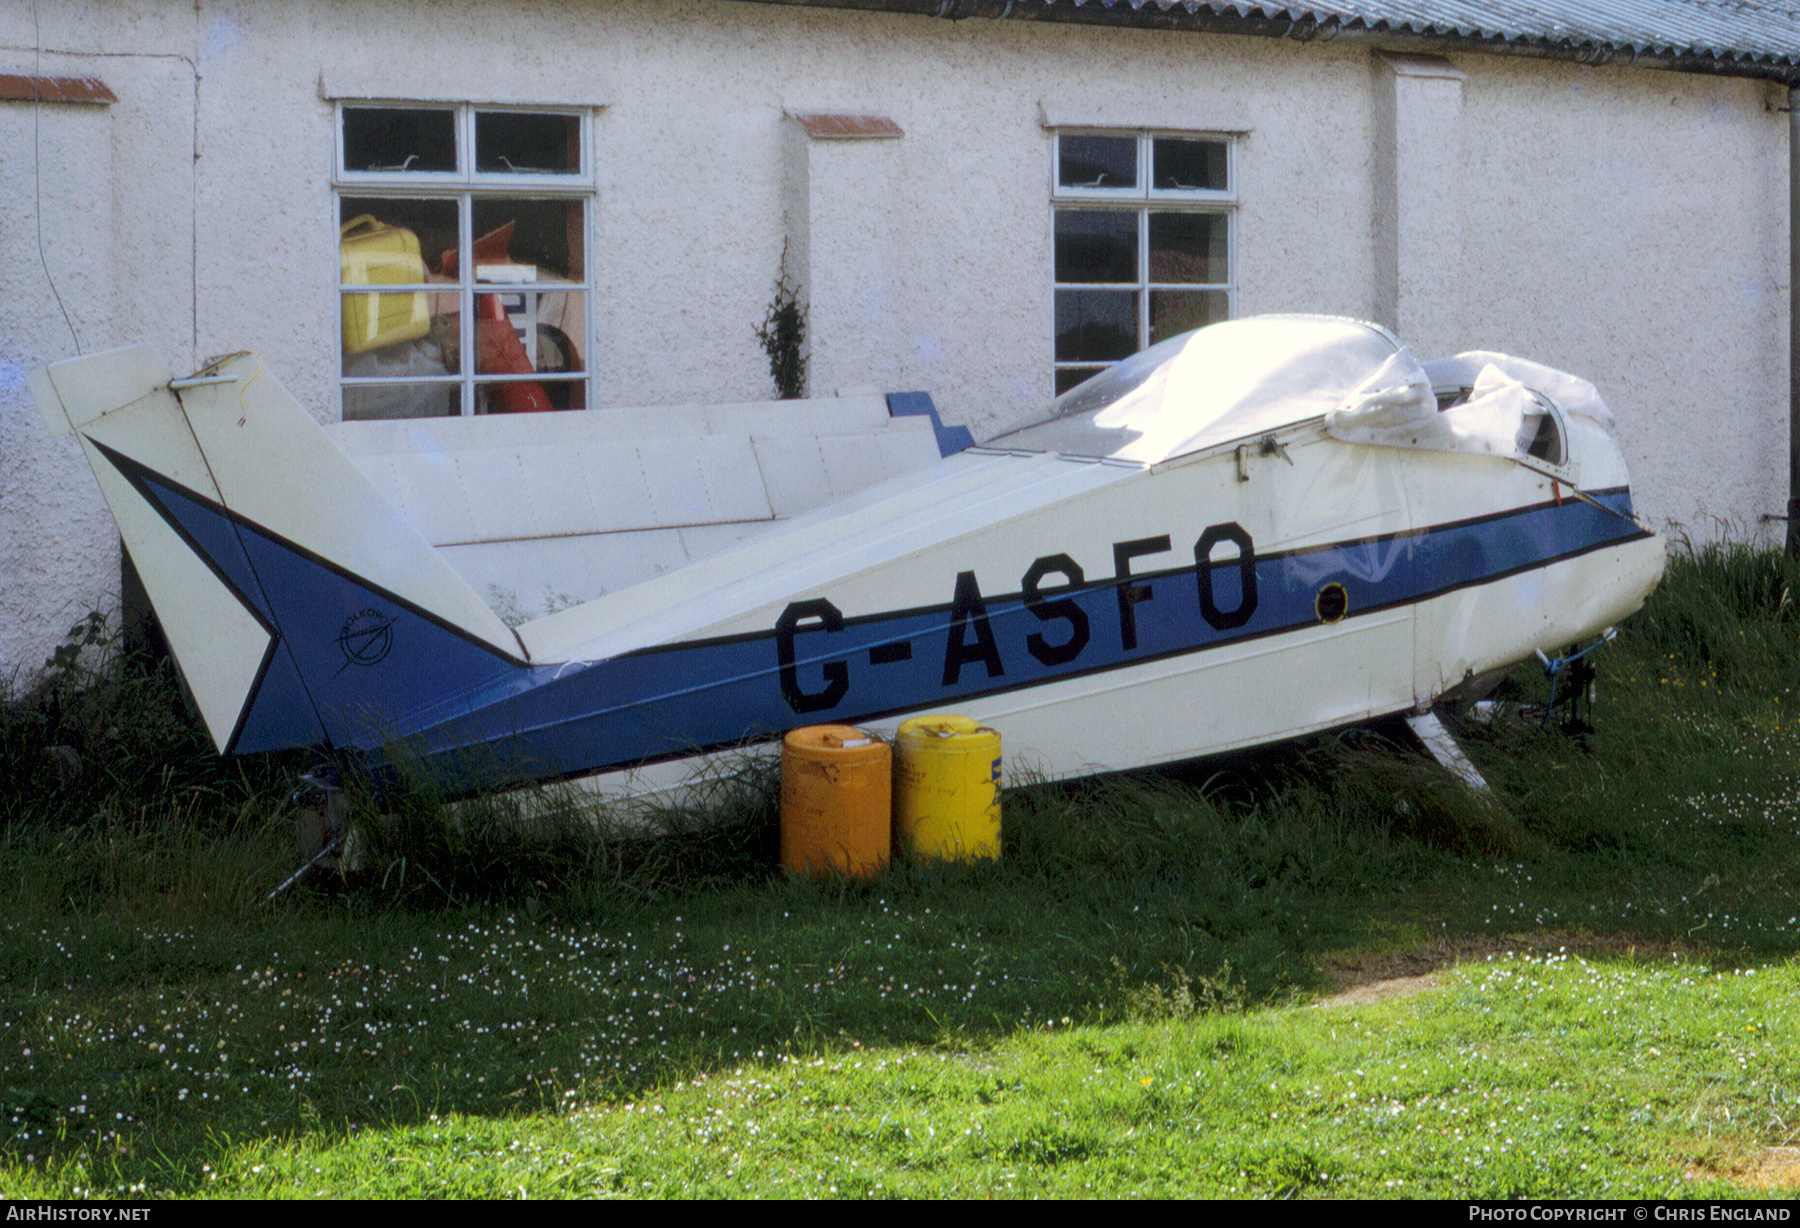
(1226, 381)
(1246, 378)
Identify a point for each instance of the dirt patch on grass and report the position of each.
(1377, 991)
(1773, 1168)
(1778, 1168)
(1364, 978)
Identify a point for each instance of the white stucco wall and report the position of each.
(56, 295)
(1626, 223)
(1632, 226)
(108, 191)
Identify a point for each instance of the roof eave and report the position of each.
(1196, 18)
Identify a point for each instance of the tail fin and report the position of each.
(300, 606)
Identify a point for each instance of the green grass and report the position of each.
(1121, 1006)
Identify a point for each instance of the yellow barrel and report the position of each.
(947, 788)
(836, 800)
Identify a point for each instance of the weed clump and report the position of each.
(1728, 611)
(558, 847)
(113, 799)
(1371, 780)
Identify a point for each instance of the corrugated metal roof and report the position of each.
(1728, 30)
(1756, 38)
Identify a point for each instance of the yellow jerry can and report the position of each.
(373, 253)
(947, 788)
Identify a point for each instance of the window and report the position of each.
(473, 223)
(1143, 243)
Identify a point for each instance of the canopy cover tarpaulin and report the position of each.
(1245, 378)
(1494, 400)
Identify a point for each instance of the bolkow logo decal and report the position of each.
(366, 637)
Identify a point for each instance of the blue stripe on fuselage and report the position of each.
(382, 671)
(674, 701)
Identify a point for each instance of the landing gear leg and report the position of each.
(321, 824)
(1441, 746)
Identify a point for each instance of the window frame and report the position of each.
(1142, 199)
(464, 186)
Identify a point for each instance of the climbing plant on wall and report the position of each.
(783, 335)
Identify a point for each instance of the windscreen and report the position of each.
(1210, 386)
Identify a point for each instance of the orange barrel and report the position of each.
(836, 799)
(947, 788)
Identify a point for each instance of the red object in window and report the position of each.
(498, 350)
(490, 247)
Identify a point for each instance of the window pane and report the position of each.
(389, 139)
(546, 330)
(1096, 245)
(1070, 377)
(366, 401)
(565, 393)
(1095, 325)
(1176, 311)
(526, 143)
(393, 242)
(561, 330)
(525, 396)
(408, 335)
(1190, 247)
(1183, 164)
(545, 237)
(421, 360)
(1539, 437)
(1096, 162)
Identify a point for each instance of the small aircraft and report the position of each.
(1259, 530)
